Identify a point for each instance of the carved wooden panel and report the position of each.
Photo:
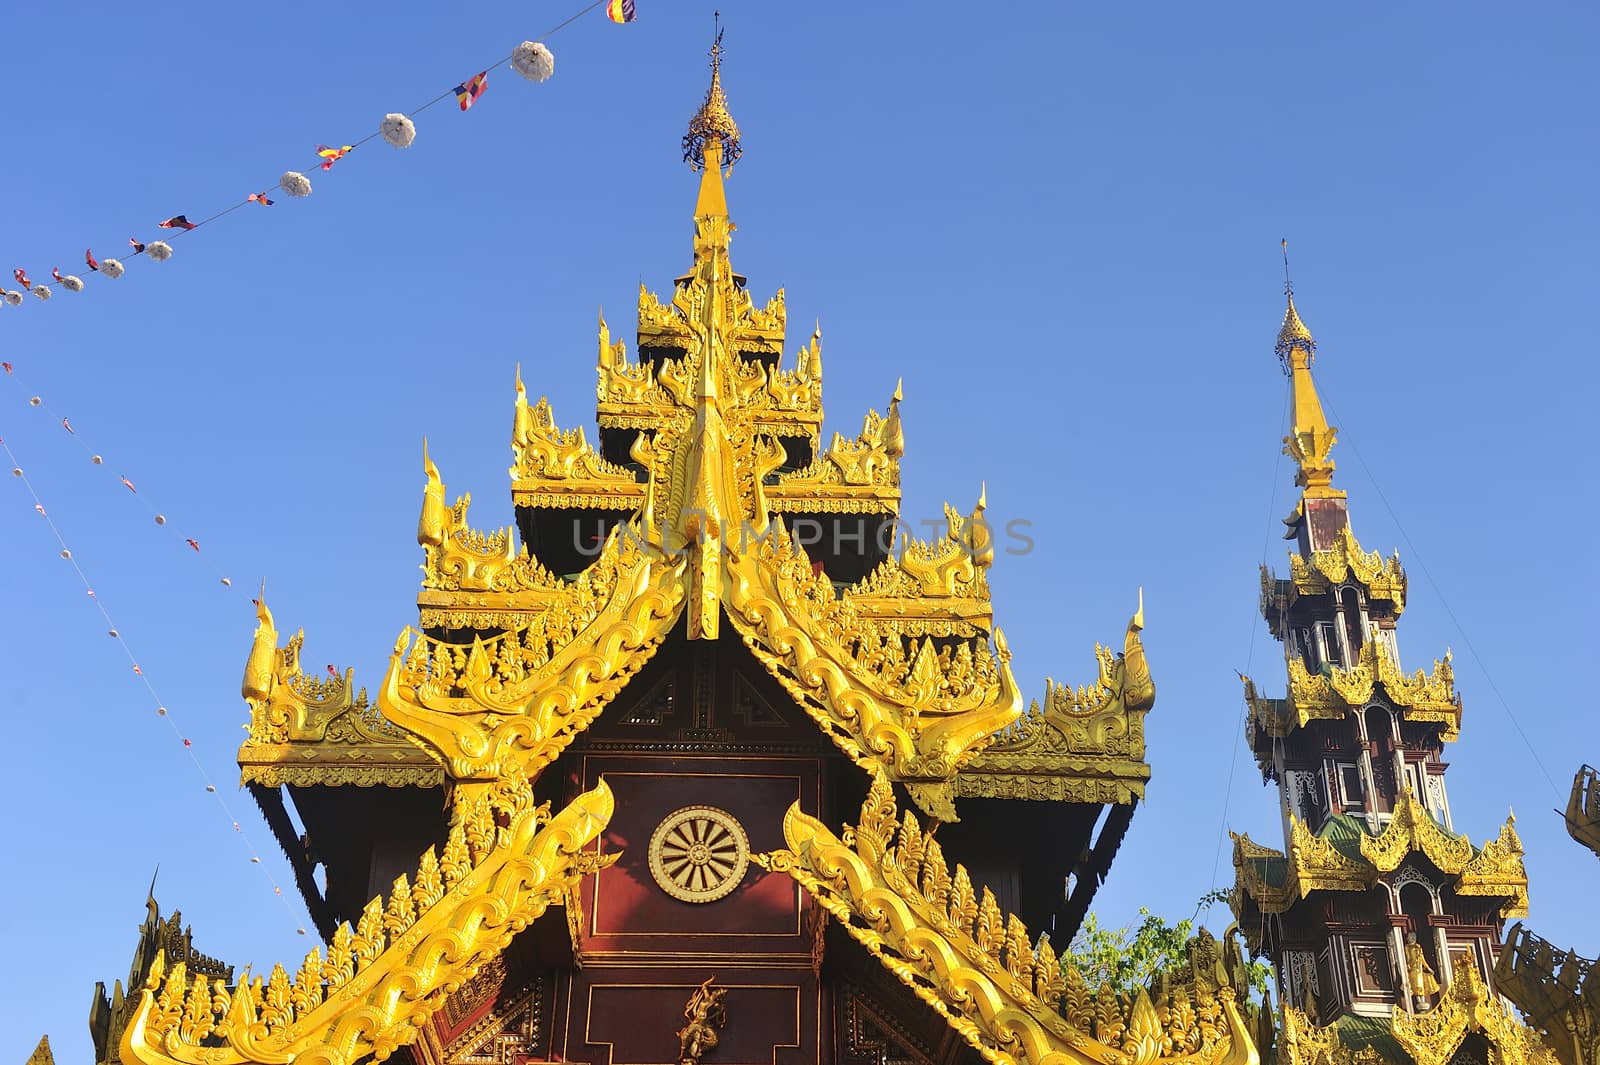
(631, 1016)
(626, 912)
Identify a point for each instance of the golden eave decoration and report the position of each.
(1420, 697)
(1083, 745)
(506, 861)
(310, 730)
(511, 703)
(558, 468)
(1583, 809)
(1384, 579)
(1558, 991)
(919, 710)
(1316, 864)
(1007, 995)
(1430, 1038)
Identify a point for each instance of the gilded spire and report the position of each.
(1310, 438)
(1294, 334)
(712, 124)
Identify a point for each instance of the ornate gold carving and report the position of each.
(1497, 871)
(1432, 1038)
(1558, 991)
(506, 862)
(699, 854)
(1419, 696)
(1310, 438)
(1315, 864)
(1009, 997)
(1083, 745)
(864, 471)
(706, 1015)
(1583, 809)
(511, 703)
(919, 711)
(309, 730)
(1412, 828)
(1384, 579)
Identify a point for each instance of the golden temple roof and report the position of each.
(903, 670)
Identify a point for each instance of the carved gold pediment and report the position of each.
(1583, 809)
(1084, 744)
(916, 709)
(860, 475)
(369, 990)
(1005, 993)
(512, 702)
(1420, 696)
(319, 730)
(558, 468)
(1432, 1038)
(1384, 579)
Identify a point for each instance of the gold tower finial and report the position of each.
(1310, 437)
(1294, 332)
(713, 122)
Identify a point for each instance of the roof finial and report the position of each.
(713, 122)
(1294, 333)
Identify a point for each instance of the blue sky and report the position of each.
(1059, 223)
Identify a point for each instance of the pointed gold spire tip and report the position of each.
(712, 124)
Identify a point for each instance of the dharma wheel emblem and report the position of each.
(699, 854)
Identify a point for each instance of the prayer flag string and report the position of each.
(156, 702)
(530, 59)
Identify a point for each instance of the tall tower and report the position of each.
(1375, 904)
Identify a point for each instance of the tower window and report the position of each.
(1351, 794)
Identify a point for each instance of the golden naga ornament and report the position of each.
(1008, 996)
(310, 730)
(510, 704)
(505, 862)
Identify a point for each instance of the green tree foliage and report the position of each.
(1129, 957)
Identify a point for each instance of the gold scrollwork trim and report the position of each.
(505, 862)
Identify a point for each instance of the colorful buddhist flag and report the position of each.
(127, 484)
(177, 221)
(467, 92)
(22, 277)
(6, 366)
(55, 272)
(89, 260)
(332, 155)
(193, 543)
(620, 10)
(259, 197)
(334, 673)
(136, 246)
(68, 427)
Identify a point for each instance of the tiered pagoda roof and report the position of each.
(709, 453)
(1372, 880)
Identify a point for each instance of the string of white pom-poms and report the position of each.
(531, 59)
(156, 701)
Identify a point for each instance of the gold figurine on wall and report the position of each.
(705, 1015)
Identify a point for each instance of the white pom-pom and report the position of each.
(398, 130)
(111, 268)
(533, 61)
(295, 183)
(42, 291)
(13, 298)
(159, 250)
(72, 283)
